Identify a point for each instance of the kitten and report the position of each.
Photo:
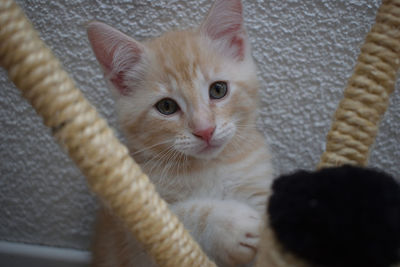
(187, 103)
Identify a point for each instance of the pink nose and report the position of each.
(205, 134)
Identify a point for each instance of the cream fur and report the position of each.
(217, 189)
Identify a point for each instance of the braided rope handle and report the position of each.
(366, 97)
(110, 171)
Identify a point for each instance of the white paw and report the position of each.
(236, 235)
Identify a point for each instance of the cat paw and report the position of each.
(238, 235)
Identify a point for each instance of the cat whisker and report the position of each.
(245, 139)
(239, 138)
(173, 164)
(167, 164)
(246, 126)
(150, 147)
(158, 159)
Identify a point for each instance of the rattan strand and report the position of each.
(366, 97)
(110, 172)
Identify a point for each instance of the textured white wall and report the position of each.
(305, 51)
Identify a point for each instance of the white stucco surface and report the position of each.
(305, 51)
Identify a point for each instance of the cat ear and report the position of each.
(117, 53)
(224, 23)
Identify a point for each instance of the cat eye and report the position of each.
(167, 106)
(218, 90)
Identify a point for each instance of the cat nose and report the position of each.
(205, 134)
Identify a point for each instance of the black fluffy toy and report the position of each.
(338, 217)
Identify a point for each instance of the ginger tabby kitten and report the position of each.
(187, 103)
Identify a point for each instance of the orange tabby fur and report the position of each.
(217, 188)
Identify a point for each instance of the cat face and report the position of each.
(187, 93)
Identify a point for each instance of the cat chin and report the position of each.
(208, 152)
